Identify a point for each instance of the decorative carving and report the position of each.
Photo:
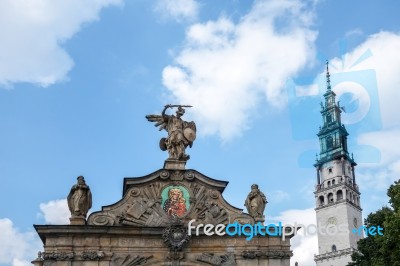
(218, 260)
(279, 254)
(180, 133)
(251, 254)
(79, 198)
(92, 255)
(255, 204)
(58, 255)
(104, 219)
(141, 212)
(135, 192)
(189, 175)
(214, 194)
(129, 260)
(213, 214)
(164, 174)
(175, 256)
(147, 202)
(176, 176)
(272, 254)
(176, 236)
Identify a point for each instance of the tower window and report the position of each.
(329, 118)
(339, 195)
(333, 248)
(321, 200)
(333, 182)
(330, 198)
(329, 142)
(329, 183)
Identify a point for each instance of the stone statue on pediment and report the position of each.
(180, 133)
(79, 198)
(255, 203)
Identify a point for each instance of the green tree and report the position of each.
(382, 250)
(391, 245)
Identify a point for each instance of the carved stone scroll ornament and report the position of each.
(218, 260)
(272, 254)
(129, 260)
(58, 255)
(104, 219)
(92, 255)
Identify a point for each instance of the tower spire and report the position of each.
(328, 77)
(336, 193)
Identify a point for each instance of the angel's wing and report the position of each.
(159, 119)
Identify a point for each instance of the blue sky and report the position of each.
(77, 79)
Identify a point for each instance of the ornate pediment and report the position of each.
(155, 199)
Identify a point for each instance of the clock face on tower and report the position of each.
(331, 220)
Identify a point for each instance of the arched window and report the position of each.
(339, 195)
(330, 198)
(321, 200)
(329, 183)
(333, 248)
(333, 182)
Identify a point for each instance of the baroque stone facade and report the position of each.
(148, 226)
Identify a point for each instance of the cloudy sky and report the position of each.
(78, 77)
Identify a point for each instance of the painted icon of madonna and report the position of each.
(175, 200)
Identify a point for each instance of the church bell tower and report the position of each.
(337, 195)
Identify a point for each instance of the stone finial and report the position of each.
(255, 203)
(180, 135)
(39, 260)
(79, 201)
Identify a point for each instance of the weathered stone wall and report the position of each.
(121, 245)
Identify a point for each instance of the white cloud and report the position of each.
(55, 211)
(17, 248)
(224, 69)
(17, 262)
(385, 62)
(178, 9)
(304, 246)
(32, 33)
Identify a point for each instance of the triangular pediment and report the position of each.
(155, 199)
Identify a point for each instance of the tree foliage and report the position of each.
(382, 250)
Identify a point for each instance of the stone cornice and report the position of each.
(337, 203)
(331, 255)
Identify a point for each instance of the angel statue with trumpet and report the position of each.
(180, 133)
